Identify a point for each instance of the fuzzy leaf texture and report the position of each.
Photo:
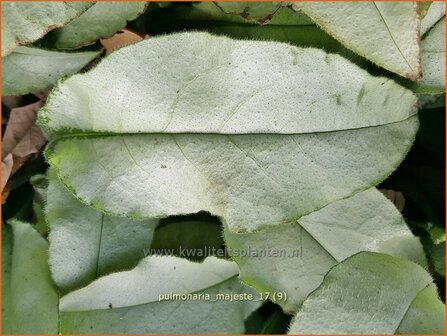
(29, 70)
(26, 22)
(85, 243)
(102, 19)
(367, 221)
(258, 133)
(373, 293)
(30, 300)
(128, 302)
(387, 33)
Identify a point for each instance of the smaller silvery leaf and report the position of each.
(29, 70)
(434, 13)
(29, 297)
(85, 243)
(375, 294)
(137, 301)
(387, 33)
(367, 221)
(24, 22)
(433, 57)
(103, 19)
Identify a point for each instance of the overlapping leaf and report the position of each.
(26, 22)
(376, 294)
(317, 242)
(433, 56)
(102, 19)
(129, 302)
(276, 130)
(85, 244)
(29, 70)
(30, 299)
(386, 33)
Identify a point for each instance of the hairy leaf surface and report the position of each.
(102, 19)
(128, 302)
(317, 242)
(431, 90)
(433, 56)
(30, 300)
(258, 133)
(372, 293)
(29, 70)
(435, 12)
(26, 22)
(85, 243)
(386, 33)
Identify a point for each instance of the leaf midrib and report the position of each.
(67, 134)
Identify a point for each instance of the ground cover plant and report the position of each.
(223, 167)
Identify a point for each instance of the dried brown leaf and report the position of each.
(7, 164)
(396, 197)
(121, 39)
(22, 137)
(21, 142)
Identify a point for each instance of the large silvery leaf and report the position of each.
(129, 302)
(30, 301)
(103, 19)
(307, 249)
(258, 133)
(28, 70)
(386, 33)
(85, 243)
(26, 22)
(375, 294)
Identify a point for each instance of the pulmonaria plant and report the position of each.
(262, 126)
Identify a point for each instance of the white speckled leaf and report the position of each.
(29, 298)
(310, 247)
(85, 243)
(372, 293)
(435, 12)
(278, 130)
(28, 70)
(128, 302)
(433, 57)
(386, 33)
(24, 22)
(431, 90)
(103, 19)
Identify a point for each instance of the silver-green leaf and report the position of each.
(85, 243)
(372, 293)
(30, 300)
(367, 221)
(129, 302)
(386, 33)
(102, 19)
(258, 133)
(30, 70)
(26, 22)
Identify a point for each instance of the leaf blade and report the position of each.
(394, 282)
(394, 41)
